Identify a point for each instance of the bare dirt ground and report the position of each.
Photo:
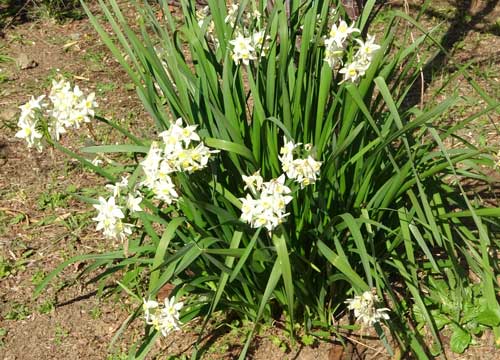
(42, 224)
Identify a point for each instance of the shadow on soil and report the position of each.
(16, 12)
(469, 15)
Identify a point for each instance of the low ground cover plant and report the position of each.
(289, 180)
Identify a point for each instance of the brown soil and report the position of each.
(37, 212)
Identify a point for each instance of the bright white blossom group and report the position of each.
(249, 48)
(110, 217)
(304, 171)
(28, 122)
(164, 317)
(265, 205)
(335, 47)
(365, 310)
(249, 42)
(68, 108)
(180, 151)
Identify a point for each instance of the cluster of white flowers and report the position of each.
(268, 207)
(248, 44)
(175, 154)
(110, 217)
(365, 310)
(70, 107)
(249, 17)
(164, 317)
(249, 48)
(28, 122)
(336, 44)
(304, 171)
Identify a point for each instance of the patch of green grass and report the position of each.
(61, 333)
(6, 268)
(94, 57)
(17, 219)
(11, 267)
(52, 200)
(95, 312)
(4, 76)
(37, 277)
(18, 311)
(105, 87)
(118, 356)
(46, 307)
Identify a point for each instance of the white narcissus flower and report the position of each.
(177, 153)
(109, 219)
(164, 317)
(333, 52)
(165, 190)
(353, 71)
(108, 209)
(253, 182)
(119, 186)
(133, 202)
(242, 49)
(70, 107)
(88, 105)
(367, 49)
(29, 132)
(304, 171)
(341, 32)
(121, 231)
(260, 42)
(232, 13)
(269, 208)
(147, 306)
(365, 311)
(247, 208)
(28, 109)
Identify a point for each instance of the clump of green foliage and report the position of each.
(388, 208)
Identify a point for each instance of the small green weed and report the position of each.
(17, 219)
(95, 312)
(5, 268)
(279, 342)
(37, 277)
(117, 356)
(60, 335)
(105, 87)
(18, 311)
(463, 311)
(308, 339)
(52, 199)
(46, 307)
(12, 267)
